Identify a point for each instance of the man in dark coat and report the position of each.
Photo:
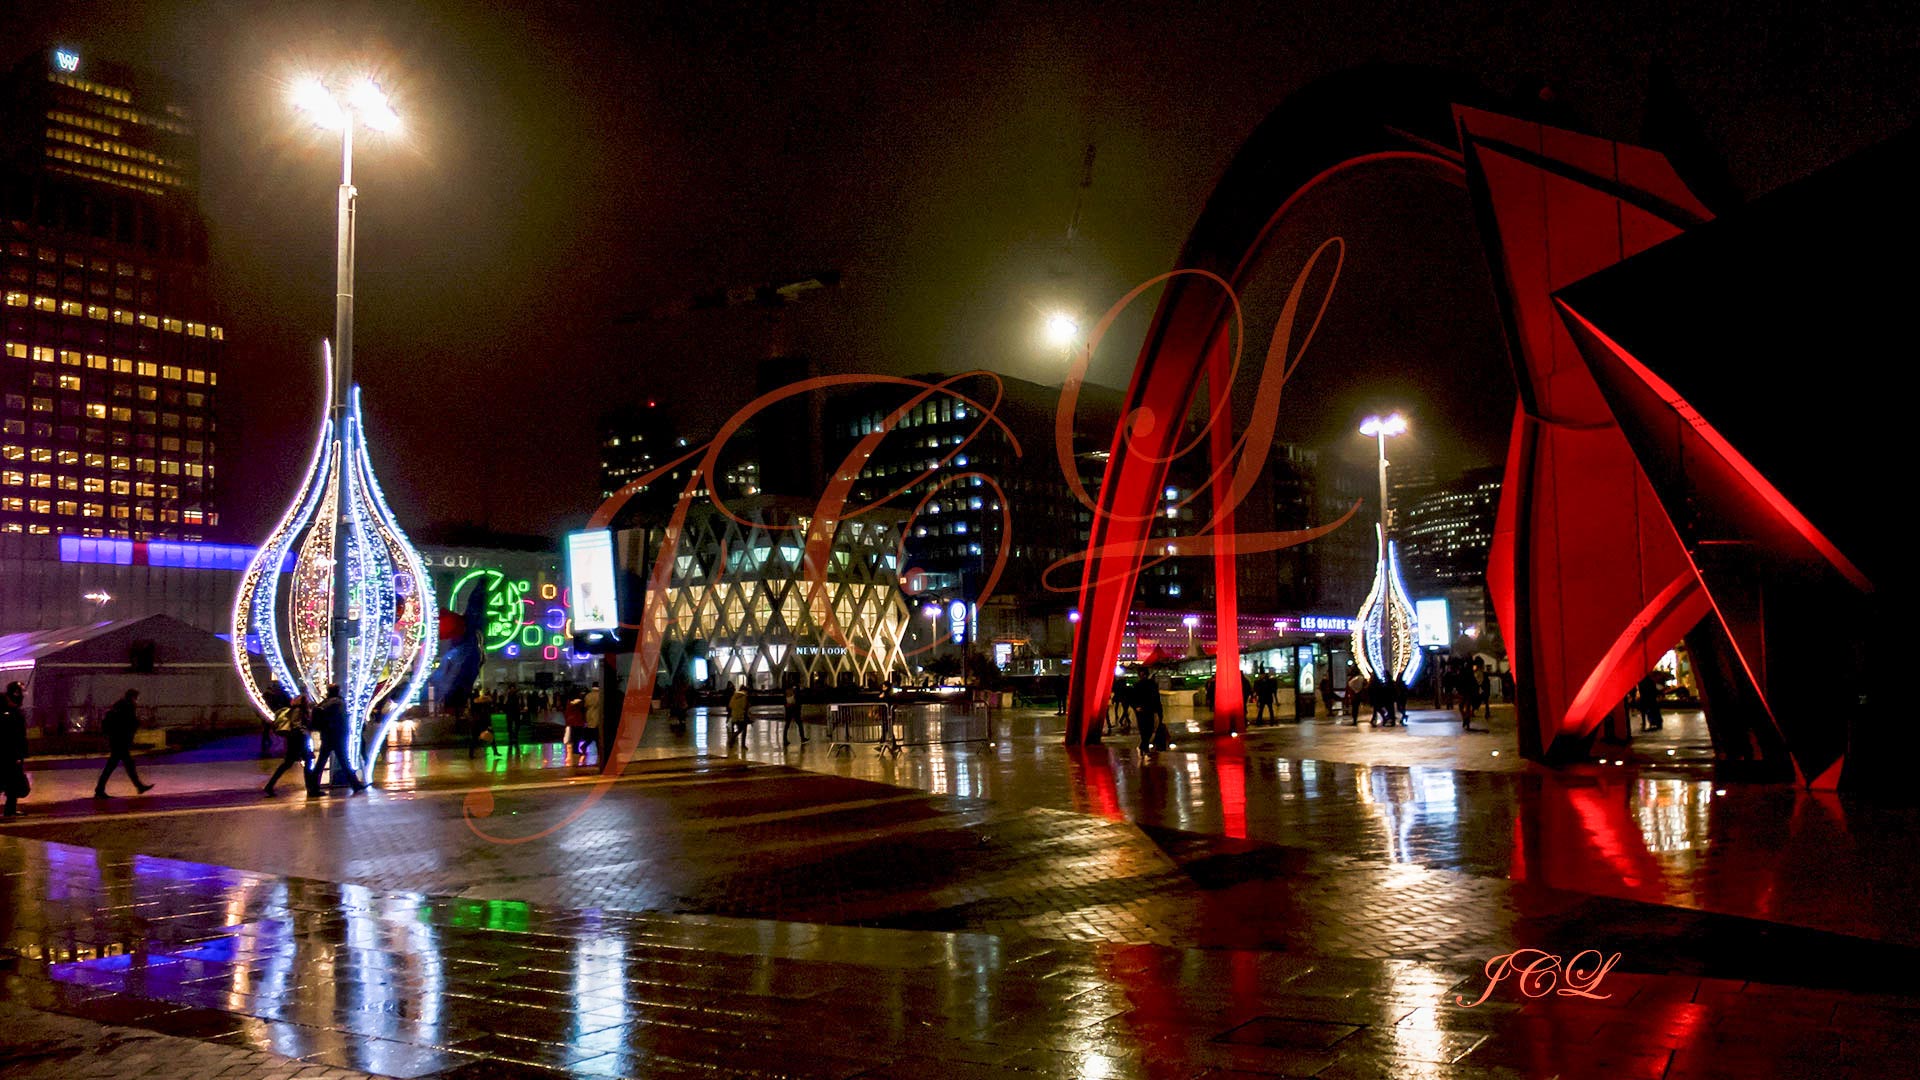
(120, 723)
(330, 717)
(13, 747)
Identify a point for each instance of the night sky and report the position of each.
(565, 163)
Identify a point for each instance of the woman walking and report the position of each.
(292, 723)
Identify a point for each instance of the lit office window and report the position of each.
(170, 371)
(147, 368)
(93, 484)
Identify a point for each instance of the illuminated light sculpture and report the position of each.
(355, 612)
(1385, 643)
(287, 617)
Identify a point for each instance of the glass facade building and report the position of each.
(110, 351)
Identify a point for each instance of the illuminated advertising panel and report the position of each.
(1433, 627)
(590, 580)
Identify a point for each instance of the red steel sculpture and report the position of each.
(1599, 564)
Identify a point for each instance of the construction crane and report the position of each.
(773, 295)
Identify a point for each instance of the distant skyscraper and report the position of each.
(1312, 488)
(1445, 535)
(636, 441)
(112, 353)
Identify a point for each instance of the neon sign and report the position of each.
(66, 59)
(523, 620)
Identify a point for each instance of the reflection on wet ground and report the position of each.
(996, 908)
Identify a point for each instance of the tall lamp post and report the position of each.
(1385, 643)
(358, 612)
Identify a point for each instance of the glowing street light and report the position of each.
(1385, 644)
(1062, 329)
(357, 608)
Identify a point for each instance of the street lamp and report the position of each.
(1190, 622)
(1062, 329)
(1385, 644)
(358, 607)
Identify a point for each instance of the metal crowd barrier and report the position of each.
(907, 726)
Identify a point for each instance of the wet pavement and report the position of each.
(1257, 906)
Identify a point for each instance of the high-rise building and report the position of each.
(963, 523)
(1313, 488)
(112, 350)
(1445, 535)
(640, 440)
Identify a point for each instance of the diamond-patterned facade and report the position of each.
(740, 597)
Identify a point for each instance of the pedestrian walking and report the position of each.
(679, 703)
(1650, 718)
(737, 712)
(1265, 689)
(120, 723)
(331, 719)
(1146, 708)
(1356, 692)
(515, 706)
(276, 700)
(792, 719)
(574, 715)
(13, 748)
(479, 723)
(292, 723)
(596, 717)
(1400, 700)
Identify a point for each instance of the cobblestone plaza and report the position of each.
(1314, 900)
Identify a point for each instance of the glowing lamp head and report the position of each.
(931, 611)
(1190, 621)
(1062, 329)
(310, 97)
(370, 104)
(1073, 616)
(1377, 427)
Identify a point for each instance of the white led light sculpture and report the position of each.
(1385, 640)
(285, 605)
